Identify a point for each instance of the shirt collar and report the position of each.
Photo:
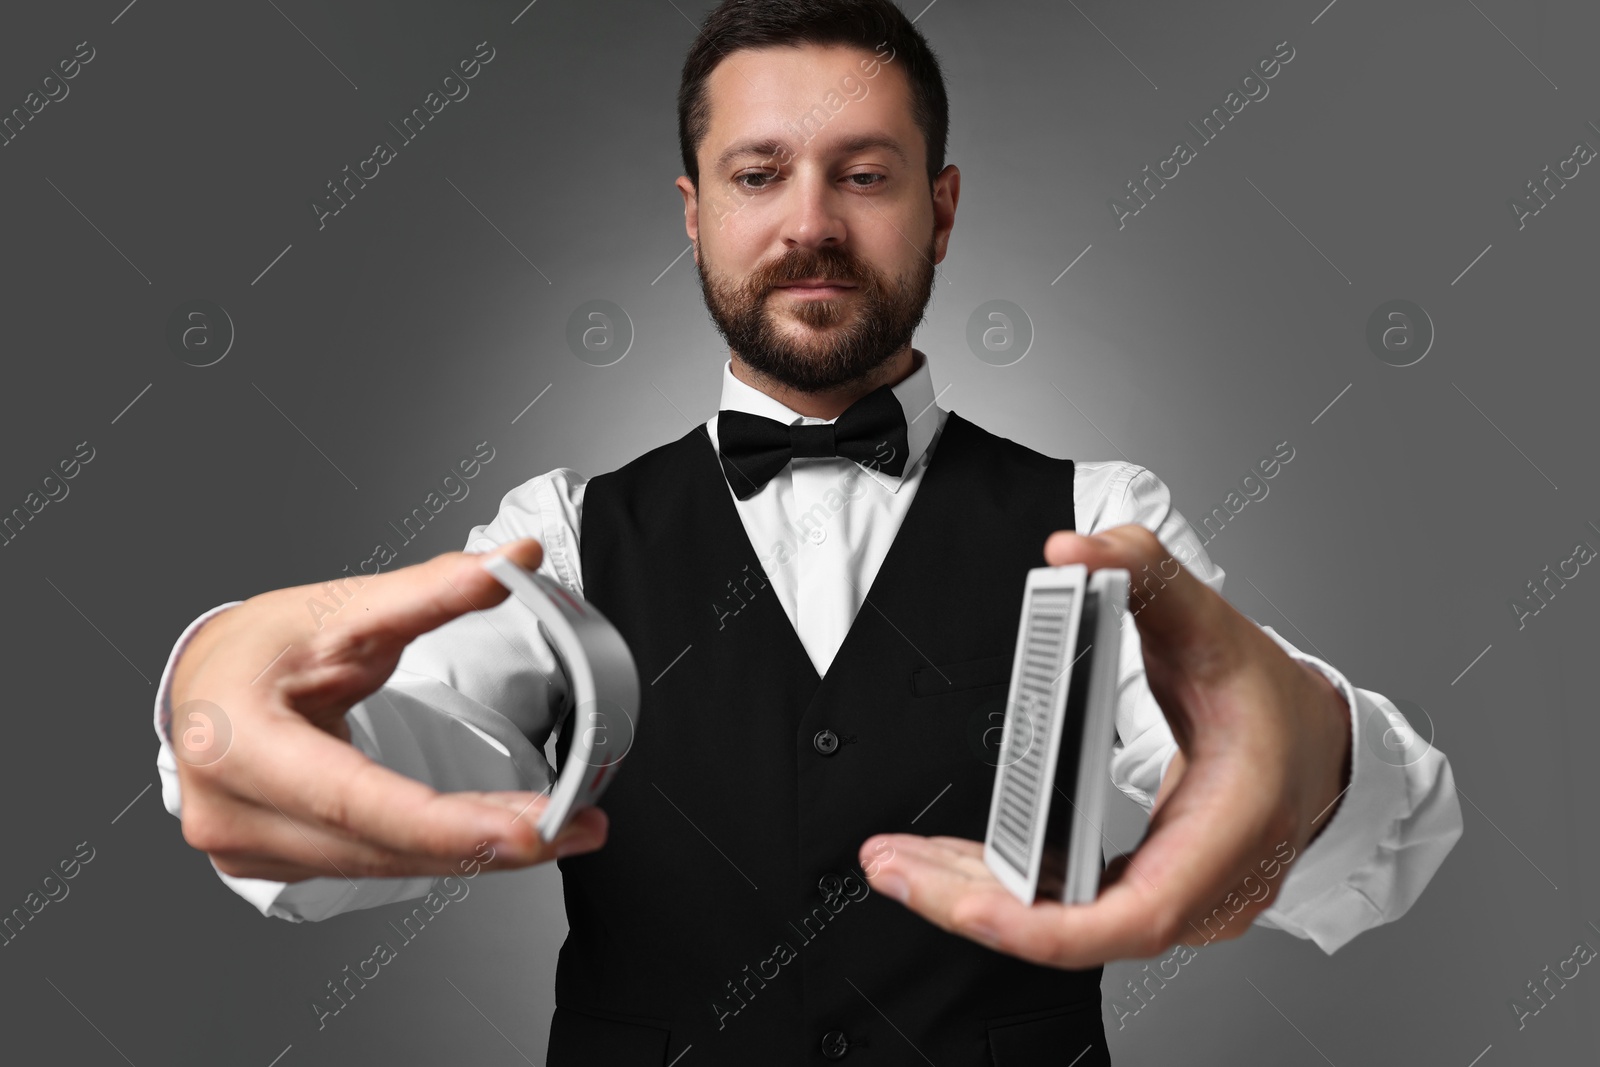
(914, 392)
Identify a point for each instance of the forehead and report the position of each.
(829, 94)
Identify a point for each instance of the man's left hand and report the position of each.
(1264, 748)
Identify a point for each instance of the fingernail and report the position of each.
(893, 885)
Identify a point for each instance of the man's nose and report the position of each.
(812, 214)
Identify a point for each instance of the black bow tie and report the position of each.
(872, 431)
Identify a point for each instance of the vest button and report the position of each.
(830, 886)
(827, 743)
(835, 1044)
(816, 535)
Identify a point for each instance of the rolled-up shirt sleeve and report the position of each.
(1396, 821)
(469, 706)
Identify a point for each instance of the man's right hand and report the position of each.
(292, 798)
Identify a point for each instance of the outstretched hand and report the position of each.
(1264, 744)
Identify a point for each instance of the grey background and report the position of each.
(376, 352)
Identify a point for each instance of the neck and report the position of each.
(830, 403)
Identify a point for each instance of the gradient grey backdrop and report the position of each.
(376, 352)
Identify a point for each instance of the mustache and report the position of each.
(835, 265)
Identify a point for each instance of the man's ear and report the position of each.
(691, 211)
(946, 192)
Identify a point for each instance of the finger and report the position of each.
(399, 606)
(1170, 605)
(262, 841)
(322, 782)
(949, 885)
(1191, 858)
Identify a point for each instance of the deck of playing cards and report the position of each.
(1043, 841)
(605, 688)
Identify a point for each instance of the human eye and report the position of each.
(879, 179)
(763, 176)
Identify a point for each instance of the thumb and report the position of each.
(413, 600)
(1171, 607)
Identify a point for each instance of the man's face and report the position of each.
(813, 171)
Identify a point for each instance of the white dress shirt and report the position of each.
(471, 704)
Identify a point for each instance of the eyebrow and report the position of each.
(770, 147)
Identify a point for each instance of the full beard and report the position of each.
(840, 344)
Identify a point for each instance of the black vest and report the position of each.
(727, 910)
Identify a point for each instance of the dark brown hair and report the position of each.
(866, 24)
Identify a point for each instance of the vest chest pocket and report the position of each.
(965, 674)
